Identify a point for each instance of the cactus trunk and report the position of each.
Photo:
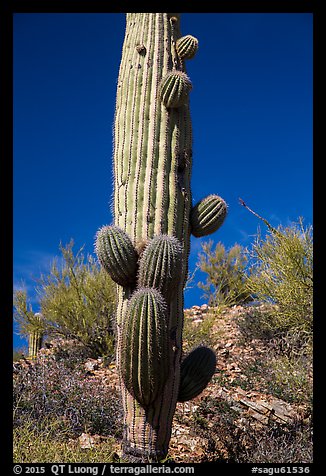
(35, 340)
(146, 250)
(152, 167)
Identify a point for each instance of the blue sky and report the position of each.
(251, 107)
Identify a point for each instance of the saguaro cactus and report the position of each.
(152, 206)
(35, 337)
(35, 340)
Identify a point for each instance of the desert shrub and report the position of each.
(290, 378)
(205, 332)
(226, 270)
(77, 300)
(281, 273)
(72, 352)
(53, 388)
(233, 439)
(27, 320)
(18, 354)
(283, 362)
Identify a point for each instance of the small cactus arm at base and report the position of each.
(196, 372)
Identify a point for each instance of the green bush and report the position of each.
(202, 334)
(281, 273)
(77, 301)
(27, 320)
(226, 280)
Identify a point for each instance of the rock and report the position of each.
(89, 441)
(17, 367)
(195, 308)
(197, 321)
(204, 307)
(86, 441)
(196, 313)
(91, 365)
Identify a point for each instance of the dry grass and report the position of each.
(49, 443)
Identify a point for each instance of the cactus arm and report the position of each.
(117, 255)
(161, 264)
(197, 370)
(207, 215)
(187, 47)
(145, 360)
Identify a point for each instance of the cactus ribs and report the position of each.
(152, 207)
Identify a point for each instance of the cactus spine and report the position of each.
(152, 205)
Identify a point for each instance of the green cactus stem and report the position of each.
(144, 345)
(187, 47)
(152, 200)
(174, 89)
(35, 340)
(36, 335)
(207, 215)
(117, 254)
(161, 265)
(197, 370)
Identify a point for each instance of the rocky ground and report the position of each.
(253, 407)
(256, 409)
